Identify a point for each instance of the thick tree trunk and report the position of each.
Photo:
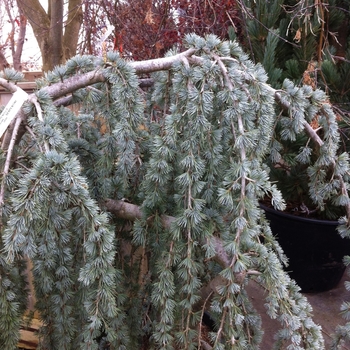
(56, 32)
(56, 42)
(72, 28)
(40, 23)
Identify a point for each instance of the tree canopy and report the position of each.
(139, 208)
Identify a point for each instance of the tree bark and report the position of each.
(55, 46)
(40, 23)
(56, 32)
(72, 28)
(15, 45)
(18, 48)
(133, 212)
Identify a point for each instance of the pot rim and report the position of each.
(298, 218)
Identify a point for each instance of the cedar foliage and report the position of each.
(305, 42)
(131, 207)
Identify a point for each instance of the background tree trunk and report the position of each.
(57, 39)
(15, 37)
(72, 28)
(56, 31)
(18, 48)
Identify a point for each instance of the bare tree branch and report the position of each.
(17, 52)
(158, 64)
(143, 67)
(37, 18)
(11, 87)
(8, 159)
(17, 46)
(133, 212)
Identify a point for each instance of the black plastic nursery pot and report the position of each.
(314, 248)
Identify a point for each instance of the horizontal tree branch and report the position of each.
(63, 90)
(96, 76)
(158, 64)
(79, 81)
(133, 212)
(11, 87)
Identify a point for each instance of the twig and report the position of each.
(201, 323)
(33, 136)
(33, 99)
(8, 159)
(64, 101)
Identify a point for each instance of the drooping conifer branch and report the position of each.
(61, 91)
(76, 82)
(191, 152)
(132, 212)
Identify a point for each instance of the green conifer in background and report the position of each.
(304, 41)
